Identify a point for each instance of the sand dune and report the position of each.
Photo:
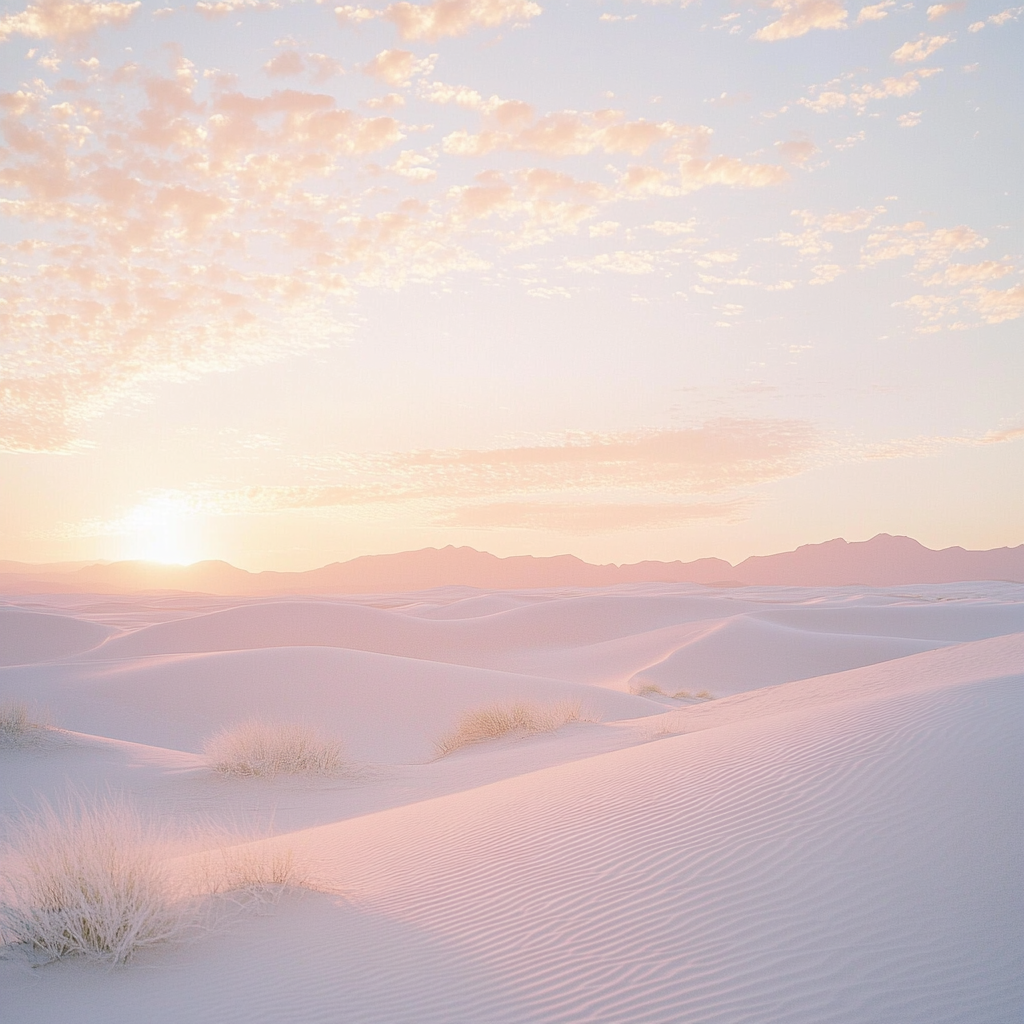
(720, 659)
(385, 708)
(30, 636)
(838, 841)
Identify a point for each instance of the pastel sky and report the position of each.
(286, 282)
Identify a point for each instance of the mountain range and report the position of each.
(882, 561)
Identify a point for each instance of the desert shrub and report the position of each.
(250, 872)
(642, 689)
(512, 718)
(262, 749)
(659, 729)
(15, 724)
(87, 880)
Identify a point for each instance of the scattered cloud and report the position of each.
(290, 63)
(797, 151)
(576, 484)
(673, 227)
(285, 64)
(612, 481)
(875, 12)
(398, 67)
(995, 305)
(633, 262)
(800, 17)
(65, 19)
(834, 95)
(970, 273)
(914, 240)
(1002, 18)
(457, 17)
(825, 273)
(937, 11)
(920, 49)
(696, 173)
(566, 133)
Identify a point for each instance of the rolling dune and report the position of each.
(31, 636)
(838, 845)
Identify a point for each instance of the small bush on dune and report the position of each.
(16, 725)
(643, 689)
(89, 881)
(264, 749)
(514, 718)
(92, 879)
(253, 871)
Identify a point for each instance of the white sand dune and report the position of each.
(384, 708)
(719, 658)
(843, 845)
(31, 636)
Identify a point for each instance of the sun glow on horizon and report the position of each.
(162, 529)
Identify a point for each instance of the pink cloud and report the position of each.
(997, 306)
(397, 67)
(802, 17)
(457, 17)
(286, 63)
(63, 19)
(914, 240)
(725, 170)
(920, 49)
(566, 133)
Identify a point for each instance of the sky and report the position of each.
(284, 283)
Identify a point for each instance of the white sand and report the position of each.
(837, 837)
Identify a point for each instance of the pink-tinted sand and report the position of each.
(836, 836)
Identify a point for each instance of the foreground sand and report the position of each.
(835, 837)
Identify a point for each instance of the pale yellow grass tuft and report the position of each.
(16, 725)
(90, 881)
(251, 871)
(513, 718)
(642, 689)
(264, 749)
(91, 878)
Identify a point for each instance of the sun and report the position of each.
(162, 529)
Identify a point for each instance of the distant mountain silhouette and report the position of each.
(882, 561)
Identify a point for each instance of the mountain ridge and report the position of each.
(884, 560)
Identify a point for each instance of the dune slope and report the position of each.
(842, 849)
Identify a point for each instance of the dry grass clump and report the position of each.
(258, 749)
(16, 726)
(90, 881)
(659, 729)
(251, 872)
(687, 695)
(90, 878)
(513, 718)
(643, 689)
